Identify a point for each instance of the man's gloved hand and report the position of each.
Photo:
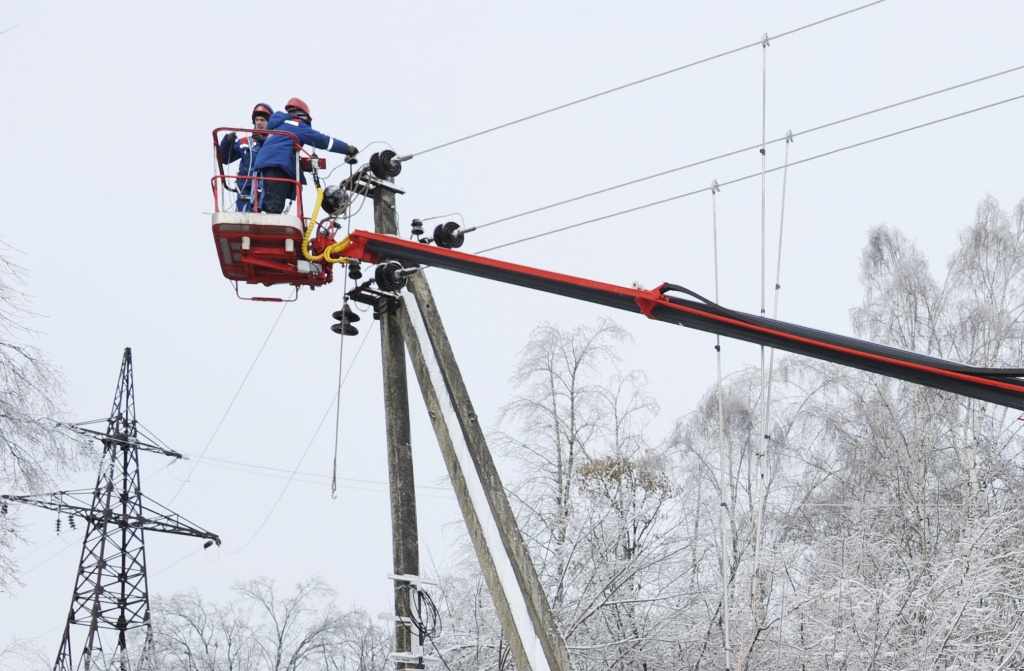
(352, 151)
(230, 138)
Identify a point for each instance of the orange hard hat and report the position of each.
(298, 104)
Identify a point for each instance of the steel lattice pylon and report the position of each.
(111, 589)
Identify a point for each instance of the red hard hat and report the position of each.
(262, 110)
(296, 103)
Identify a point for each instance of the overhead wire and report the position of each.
(789, 136)
(257, 469)
(751, 176)
(80, 535)
(341, 357)
(233, 399)
(642, 80)
(298, 464)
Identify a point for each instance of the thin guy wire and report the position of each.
(337, 414)
(640, 81)
(736, 152)
(759, 483)
(722, 477)
(778, 266)
(304, 452)
(341, 355)
(232, 403)
(751, 176)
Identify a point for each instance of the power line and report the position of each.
(233, 399)
(308, 446)
(751, 176)
(256, 469)
(643, 80)
(752, 147)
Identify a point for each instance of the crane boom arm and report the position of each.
(1001, 386)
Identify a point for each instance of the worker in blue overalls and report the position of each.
(277, 157)
(244, 150)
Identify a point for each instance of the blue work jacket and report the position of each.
(244, 150)
(279, 151)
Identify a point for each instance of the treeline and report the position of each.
(882, 528)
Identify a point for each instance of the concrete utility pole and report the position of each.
(522, 607)
(404, 534)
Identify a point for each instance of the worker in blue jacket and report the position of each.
(244, 150)
(277, 157)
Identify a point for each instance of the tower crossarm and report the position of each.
(152, 516)
(157, 518)
(127, 441)
(77, 503)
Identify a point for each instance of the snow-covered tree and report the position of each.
(891, 516)
(34, 450)
(263, 630)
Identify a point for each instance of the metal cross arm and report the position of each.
(999, 385)
(151, 516)
(129, 440)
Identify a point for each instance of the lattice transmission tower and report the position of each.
(112, 588)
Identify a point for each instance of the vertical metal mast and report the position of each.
(112, 588)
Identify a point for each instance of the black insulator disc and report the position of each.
(346, 313)
(390, 166)
(342, 328)
(448, 235)
(384, 166)
(389, 276)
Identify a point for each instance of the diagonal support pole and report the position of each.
(511, 577)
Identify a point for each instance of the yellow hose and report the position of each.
(337, 247)
(312, 225)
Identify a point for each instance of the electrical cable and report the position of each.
(64, 549)
(786, 138)
(425, 618)
(341, 359)
(751, 176)
(306, 451)
(643, 80)
(178, 561)
(233, 399)
(314, 478)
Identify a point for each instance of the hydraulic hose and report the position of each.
(311, 226)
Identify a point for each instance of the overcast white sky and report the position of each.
(107, 162)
